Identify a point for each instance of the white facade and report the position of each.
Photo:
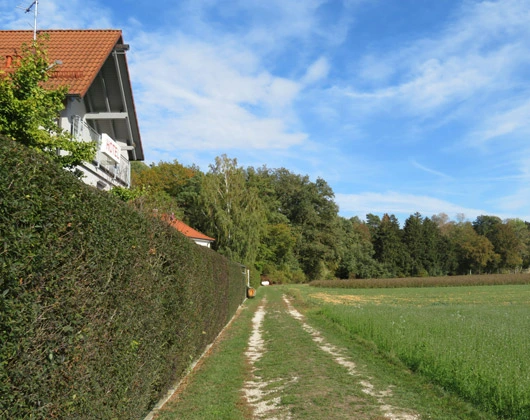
(202, 242)
(103, 172)
(106, 115)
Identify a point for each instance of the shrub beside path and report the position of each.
(276, 362)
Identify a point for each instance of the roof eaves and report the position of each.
(119, 37)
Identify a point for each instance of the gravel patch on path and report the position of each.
(261, 394)
(337, 354)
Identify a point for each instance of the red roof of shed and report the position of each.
(187, 230)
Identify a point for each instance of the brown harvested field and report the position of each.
(445, 281)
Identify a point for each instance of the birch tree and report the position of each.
(233, 212)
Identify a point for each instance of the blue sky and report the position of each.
(400, 105)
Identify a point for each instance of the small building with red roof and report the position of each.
(196, 236)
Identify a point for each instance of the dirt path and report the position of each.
(266, 393)
(280, 359)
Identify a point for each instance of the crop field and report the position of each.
(442, 281)
(472, 340)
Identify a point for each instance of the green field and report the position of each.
(473, 341)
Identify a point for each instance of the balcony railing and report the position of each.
(81, 131)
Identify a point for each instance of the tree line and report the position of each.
(288, 229)
(282, 224)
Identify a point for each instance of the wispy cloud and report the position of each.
(479, 53)
(429, 170)
(53, 14)
(402, 205)
(514, 120)
(317, 71)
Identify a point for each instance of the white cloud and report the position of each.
(518, 201)
(316, 71)
(475, 56)
(196, 95)
(515, 120)
(277, 20)
(438, 83)
(219, 126)
(375, 70)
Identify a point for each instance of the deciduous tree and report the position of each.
(474, 251)
(232, 212)
(29, 109)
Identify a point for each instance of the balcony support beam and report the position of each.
(106, 116)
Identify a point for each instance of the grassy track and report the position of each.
(299, 376)
(474, 341)
(213, 389)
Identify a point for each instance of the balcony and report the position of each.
(119, 172)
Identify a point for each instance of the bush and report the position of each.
(282, 275)
(101, 306)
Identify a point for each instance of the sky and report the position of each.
(401, 106)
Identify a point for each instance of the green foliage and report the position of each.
(389, 248)
(284, 225)
(474, 251)
(312, 214)
(428, 250)
(127, 194)
(150, 201)
(522, 233)
(356, 251)
(232, 211)
(171, 188)
(29, 109)
(102, 307)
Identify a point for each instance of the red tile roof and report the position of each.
(82, 52)
(187, 230)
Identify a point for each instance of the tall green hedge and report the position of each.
(101, 307)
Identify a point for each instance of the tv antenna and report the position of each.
(35, 14)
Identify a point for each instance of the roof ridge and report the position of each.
(62, 30)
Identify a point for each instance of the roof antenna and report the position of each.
(35, 14)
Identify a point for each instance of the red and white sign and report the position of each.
(110, 148)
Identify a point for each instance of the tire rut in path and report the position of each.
(337, 354)
(257, 392)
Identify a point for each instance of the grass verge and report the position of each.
(213, 389)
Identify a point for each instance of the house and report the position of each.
(99, 105)
(196, 236)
